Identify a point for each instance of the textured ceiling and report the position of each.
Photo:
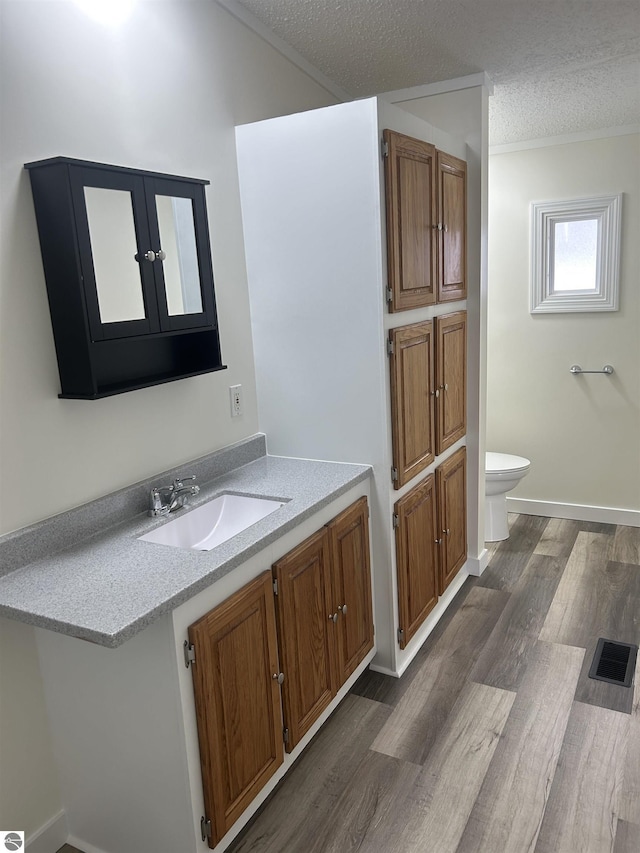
(558, 66)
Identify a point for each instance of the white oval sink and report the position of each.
(206, 526)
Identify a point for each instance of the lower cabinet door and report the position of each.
(307, 626)
(349, 533)
(451, 482)
(416, 557)
(237, 696)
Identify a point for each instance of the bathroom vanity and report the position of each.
(142, 758)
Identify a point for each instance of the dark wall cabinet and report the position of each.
(129, 276)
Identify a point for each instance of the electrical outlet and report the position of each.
(235, 392)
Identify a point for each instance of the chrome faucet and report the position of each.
(164, 499)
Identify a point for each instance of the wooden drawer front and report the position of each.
(451, 364)
(416, 557)
(411, 214)
(307, 636)
(451, 480)
(412, 399)
(349, 534)
(237, 700)
(452, 248)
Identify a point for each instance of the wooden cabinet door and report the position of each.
(451, 384)
(452, 228)
(411, 217)
(237, 701)
(349, 533)
(307, 625)
(412, 399)
(416, 557)
(451, 481)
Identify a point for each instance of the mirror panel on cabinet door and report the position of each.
(113, 239)
(179, 230)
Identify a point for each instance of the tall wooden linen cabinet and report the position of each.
(354, 214)
(426, 240)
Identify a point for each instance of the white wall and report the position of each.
(162, 91)
(581, 433)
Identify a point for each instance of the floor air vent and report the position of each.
(614, 662)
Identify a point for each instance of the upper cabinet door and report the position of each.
(412, 399)
(411, 219)
(349, 535)
(180, 240)
(451, 360)
(144, 252)
(113, 241)
(452, 242)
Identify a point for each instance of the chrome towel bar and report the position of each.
(576, 369)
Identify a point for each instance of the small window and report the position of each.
(575, 251)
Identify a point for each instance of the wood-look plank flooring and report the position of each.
(494, 740)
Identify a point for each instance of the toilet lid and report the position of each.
(504, 463)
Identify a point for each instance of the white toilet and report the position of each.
(503, 472)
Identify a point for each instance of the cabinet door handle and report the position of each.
(435, 393)
(150, 256)
(343, 609)
(278, 676)
(161, 254)
(333, 617)
(445, 387)
(447, 531)
(438, 541)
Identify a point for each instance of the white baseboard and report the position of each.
(384, 670)
(49, 837)
(577, 512)
(74, 841)
(404, 658)
(477, 565)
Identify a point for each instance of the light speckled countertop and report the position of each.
(107, 587)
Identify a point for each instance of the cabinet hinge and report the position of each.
(389, 294)
(285, 735)
(384, 148)
(400, 635)
(394, 474)
(390, 347)
(189, 653)
(396, 521)
(275, 586)
(205, 828)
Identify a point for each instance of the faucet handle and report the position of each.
(178, 483)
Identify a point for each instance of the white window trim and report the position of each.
(544, 214)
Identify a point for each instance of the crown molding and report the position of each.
(426, 90)
(565, 139)
(253, 23)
